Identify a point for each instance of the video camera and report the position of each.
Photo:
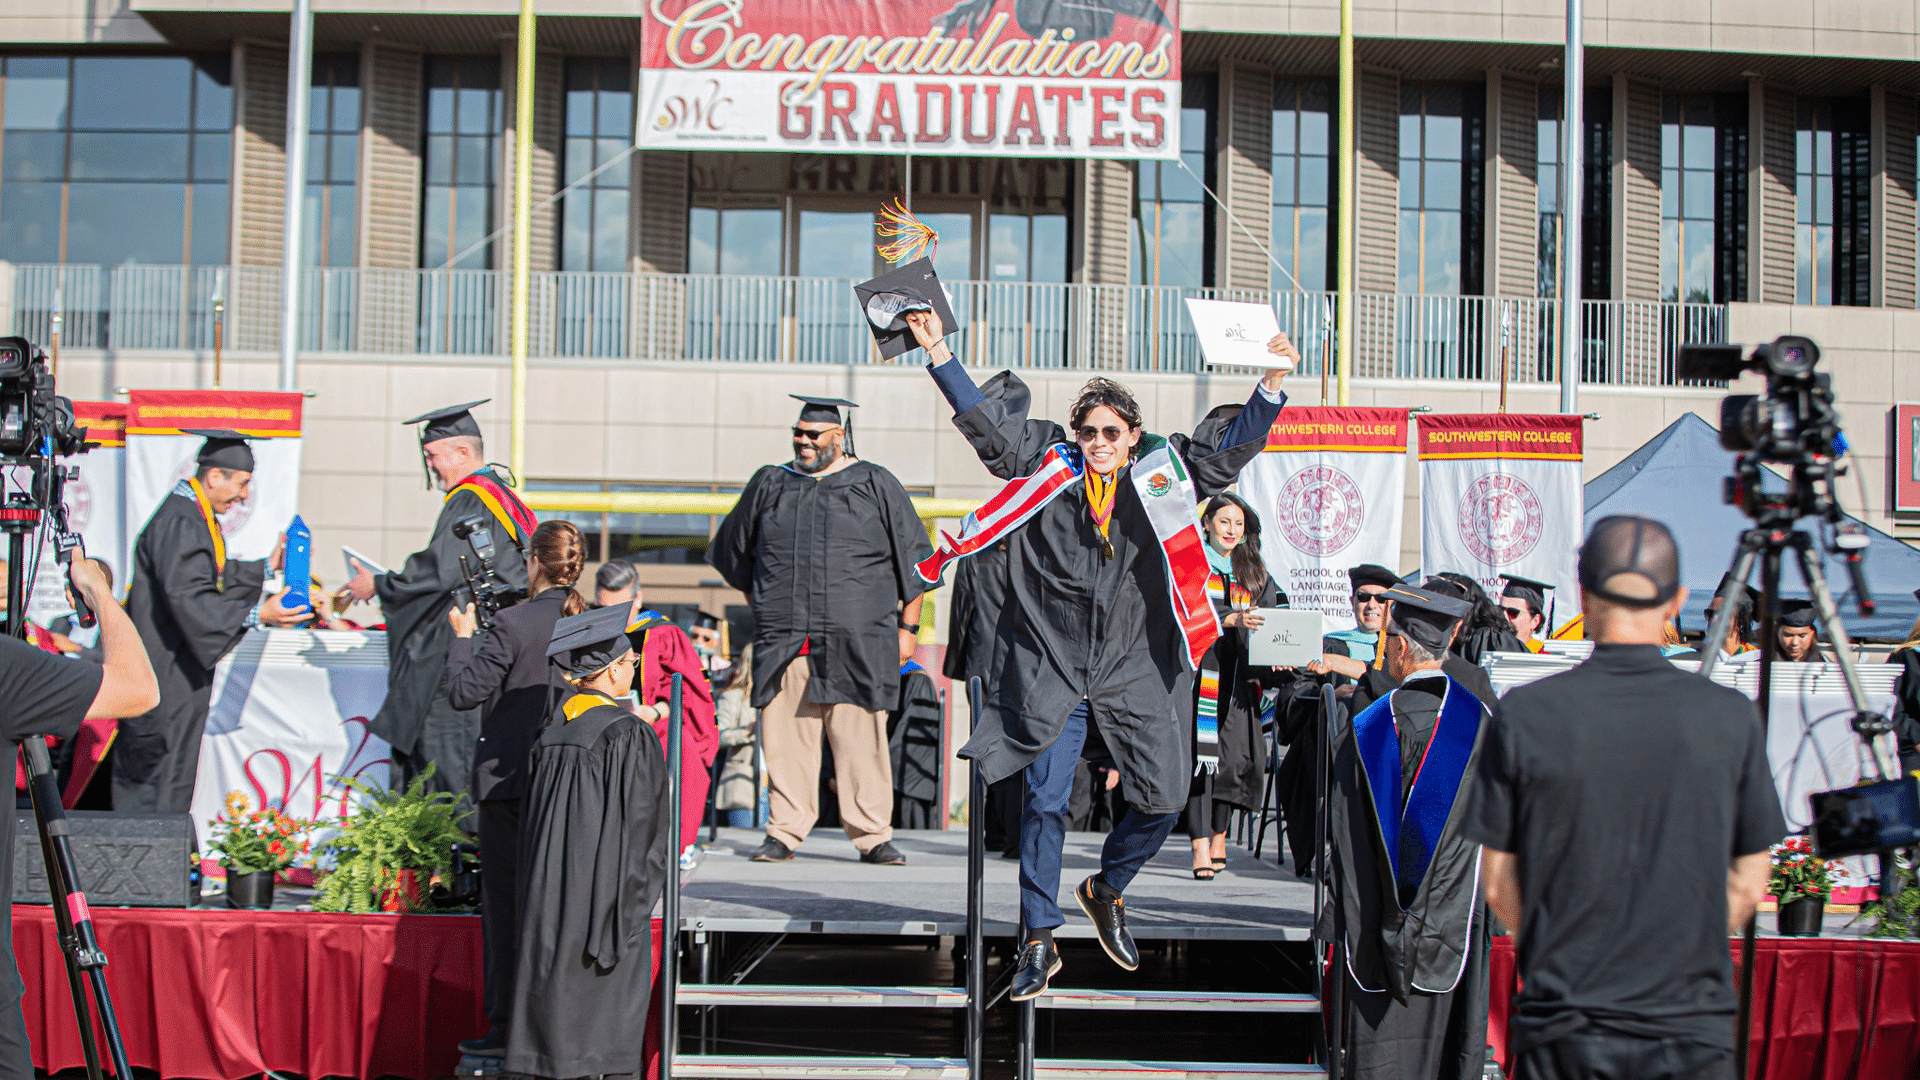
(1794, 420)
(37, 425)
(485, 589)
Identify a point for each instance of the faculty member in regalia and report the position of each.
(593, 860)
(192, 605)
(1405, 909)
(416, 718)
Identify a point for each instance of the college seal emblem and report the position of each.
(1501, 518)
(1320, 510)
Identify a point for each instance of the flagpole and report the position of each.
(523, 94)
(1343, 272)
(1572, 127)
(299, 89)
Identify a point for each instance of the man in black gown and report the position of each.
(417, 719)
(825, 547)
(192, 605)
(593, 860)
(1405, 906)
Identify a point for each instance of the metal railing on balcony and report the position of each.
(1127, 328)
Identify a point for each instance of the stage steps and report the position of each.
(803, 1067)
(1176, 1001)
(1092, 1069)
(814, 997)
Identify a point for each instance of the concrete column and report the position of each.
(260, 153)
(1772, 117)
(547, 105)
(1891, 134)
(1245, 170)
(1636, 189)
(1513, 190)
(391, 90)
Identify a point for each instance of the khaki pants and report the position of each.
(790, 730)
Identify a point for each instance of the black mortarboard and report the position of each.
(585, 643)
(1749, 595)
(1797, 613)
(448, 422)
(223, 449)
(1372, 574)
(704, 619)
(886, 300)
(827, 410)
(1529, 590)
(1426, 617)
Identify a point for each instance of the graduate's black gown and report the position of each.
(1240, 780)
(1416, 977)
(416, 718)
(827, 561)
(593, 861)
(1076, 625)
(187, 625)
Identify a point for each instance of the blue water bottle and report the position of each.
(299, 565)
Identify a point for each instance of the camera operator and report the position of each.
(509, 678)
(1624, 770)
(417, 719)
(50, 695)
(192, 605)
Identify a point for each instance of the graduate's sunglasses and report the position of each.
(1516, 612)
(814, 436)
(1371, 598)
(1088, 433)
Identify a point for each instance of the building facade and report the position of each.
(1748, 172)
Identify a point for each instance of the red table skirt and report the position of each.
(219, 995)
(1830, 1008)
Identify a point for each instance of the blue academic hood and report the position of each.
(1678, 477)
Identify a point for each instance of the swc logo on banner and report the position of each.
(159, 456)
(1330, 491)
(911, 77)
(1500, 494)
(95, 508)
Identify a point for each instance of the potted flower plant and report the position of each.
(1800, 885)
(387, 849)
(254, 845)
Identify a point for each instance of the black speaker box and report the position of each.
(124, 860)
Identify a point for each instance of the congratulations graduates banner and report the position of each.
(160, 456)
(1091, 79)
(1500, 494)
(1330, 491)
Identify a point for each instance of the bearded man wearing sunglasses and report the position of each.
(1104, 620)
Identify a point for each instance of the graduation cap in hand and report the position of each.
(886, 300)
(223, 449)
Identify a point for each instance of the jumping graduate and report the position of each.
(664, 651)
(1105, 617)
(416, 718)
(1524, 602)
(593, 860)
(1405, 907)
(192, 605)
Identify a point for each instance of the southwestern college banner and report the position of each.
(159, 456)
(1500, 494)
(1092, 79)
(1330, 491)
(288, 723)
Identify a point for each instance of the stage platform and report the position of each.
(827, 890)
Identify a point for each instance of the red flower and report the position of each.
(276, 848)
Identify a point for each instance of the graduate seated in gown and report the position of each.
(593, 860)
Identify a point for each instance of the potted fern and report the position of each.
(385, 851)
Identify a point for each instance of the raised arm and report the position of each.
(1218, 451)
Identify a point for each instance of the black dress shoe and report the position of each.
(491, 1045)
(883, 854)
(772, 851)
(1036, 965)
(1110, 923)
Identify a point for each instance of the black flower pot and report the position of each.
(1801, 916)
(252, 891)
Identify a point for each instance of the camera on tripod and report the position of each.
(1794, 420)
(34, 421)
(485, 589)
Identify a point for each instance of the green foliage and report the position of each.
(1798, 872)
(389, 831)
(247, 841)
(1899, 917)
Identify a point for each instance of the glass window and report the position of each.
(599, 132)
(1596, 196)
(1441, 132)
(1833, 233)
(1172, 220)
(462, 153)
(117, 159)
(1703, 198)
(1302, 181)
(333, 162)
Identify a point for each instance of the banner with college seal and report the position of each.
(1500, 494)
(1330, 491)
(1091, 79)
(160, 455)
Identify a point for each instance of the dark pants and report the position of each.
(499, 909)
(156, 757)
(1594, 1055)
(1043, 829)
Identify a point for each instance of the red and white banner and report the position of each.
(901, 77)
(1500, 493)
(288, 724)
(159, 456)
(95, 508)
(1331, 494)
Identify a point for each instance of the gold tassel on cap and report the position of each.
(910, 237)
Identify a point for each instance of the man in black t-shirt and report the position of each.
(1627, 809)
(46, 694)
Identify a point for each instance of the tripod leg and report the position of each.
(1751, 542)
(1828, 616)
